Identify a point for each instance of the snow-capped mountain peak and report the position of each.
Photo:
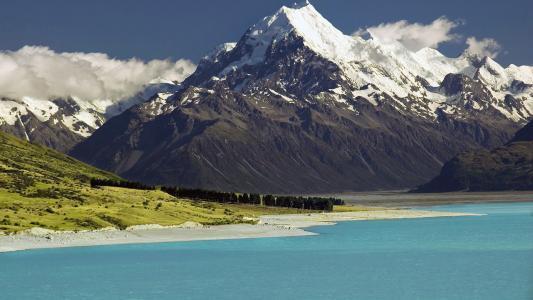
(389, 66)
(299, 40)
(302, 20)
(317, 32)
(363, 61)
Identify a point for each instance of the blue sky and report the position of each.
(189, 29)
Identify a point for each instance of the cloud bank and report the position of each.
(414, 36)
(42, 73)
(484, 47)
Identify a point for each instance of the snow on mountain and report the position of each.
(10, 111)
(437, 66)
(521, 73)
(352, 53)
(392, 68)
(318, 33)
(79, 116)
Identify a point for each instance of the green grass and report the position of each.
(120, 208)
(40, 187)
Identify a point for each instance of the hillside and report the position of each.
(40, 187)
(509, 167)
(33, 170)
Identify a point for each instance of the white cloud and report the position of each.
(484, 47)
(42, 73)
(414, 36)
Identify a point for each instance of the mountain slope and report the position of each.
(297, 106)
(509, 167)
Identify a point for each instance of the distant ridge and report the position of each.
(509, 167)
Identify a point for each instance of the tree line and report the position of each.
(212, 196)
(310, 203)
(121, 183)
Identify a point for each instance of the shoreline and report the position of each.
(268, 226)
(403, 199)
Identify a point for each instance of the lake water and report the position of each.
(487, 257)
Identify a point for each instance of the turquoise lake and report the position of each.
(486, 257)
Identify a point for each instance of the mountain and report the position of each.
(297, 106)
(509, 167)
(61, 123)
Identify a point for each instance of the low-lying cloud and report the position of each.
(414, 36)
(484, 47)
(39, 72)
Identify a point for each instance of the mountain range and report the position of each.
(62, 122)
(297, 106)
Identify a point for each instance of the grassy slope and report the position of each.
(119, 208)
(40, 187)
(34, 170)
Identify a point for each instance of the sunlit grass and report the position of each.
(120, 208)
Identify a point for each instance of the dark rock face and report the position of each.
(470, 93)
(509, 167)
(455, 83)
(524, 135)
(518, 86)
